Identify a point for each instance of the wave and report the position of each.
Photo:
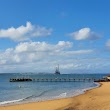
(77, 92)
(62, 95)
(11, 101)
(34, 96)
(82, 91)
(23, 99)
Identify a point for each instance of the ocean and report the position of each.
(23, 92)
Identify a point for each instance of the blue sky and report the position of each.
(36, 35)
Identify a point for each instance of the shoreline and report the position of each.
(22, 101)
(94, 99)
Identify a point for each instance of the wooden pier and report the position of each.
(51, 79)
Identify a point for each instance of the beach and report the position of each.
(94, 99)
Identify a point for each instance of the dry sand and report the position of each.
(95, 99)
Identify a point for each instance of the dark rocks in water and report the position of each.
(20, 79)
(102, 80)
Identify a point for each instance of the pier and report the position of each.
(52, 79)
(62, 80)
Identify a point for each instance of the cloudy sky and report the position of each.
(36, 35)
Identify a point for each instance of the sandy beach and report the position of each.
(95, 99)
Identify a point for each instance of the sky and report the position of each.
(37, 35)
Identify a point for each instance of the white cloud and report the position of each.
(41, 56)
(71, 53)
(25, 32)
(83, 34)
(32, 51)
(42, 46)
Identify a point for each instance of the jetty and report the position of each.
(51, 79)
(58, 79)
(62, 79)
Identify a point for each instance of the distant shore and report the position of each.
(94, 99)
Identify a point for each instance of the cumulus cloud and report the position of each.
(42, 46)
(83, 34)
(40, 56)
(25, 32)
(32, 52)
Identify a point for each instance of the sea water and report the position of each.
(23, 92)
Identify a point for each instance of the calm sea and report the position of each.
(22, 92)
